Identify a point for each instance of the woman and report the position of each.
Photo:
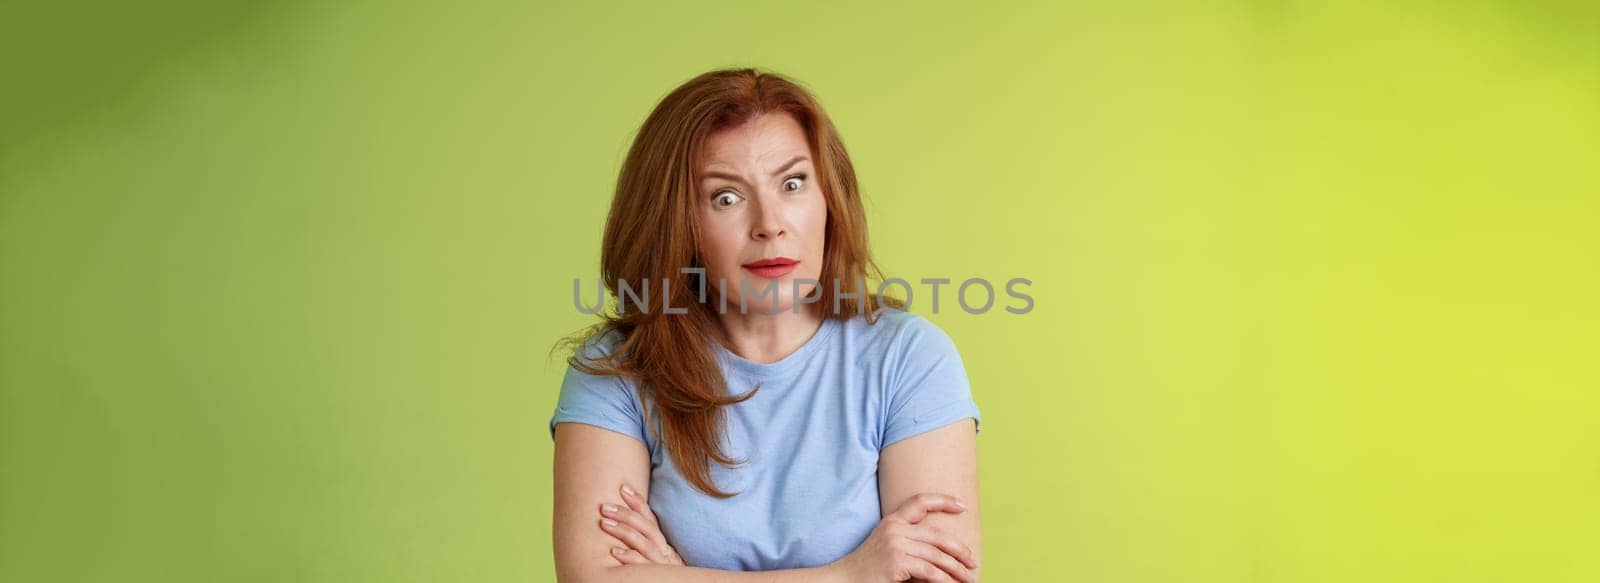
(799, 428)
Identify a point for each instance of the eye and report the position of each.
(794, 183)
(724, 199)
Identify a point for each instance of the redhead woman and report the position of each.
(761, 416)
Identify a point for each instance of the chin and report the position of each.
(764, 305)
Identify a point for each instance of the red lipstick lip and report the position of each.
(773, 268)
(771, 262)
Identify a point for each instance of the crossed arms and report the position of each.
(922, 537)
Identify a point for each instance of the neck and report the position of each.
(767, 338)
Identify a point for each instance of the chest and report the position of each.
(807, 493)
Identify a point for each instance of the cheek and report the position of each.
(816, 222)
(718, 244)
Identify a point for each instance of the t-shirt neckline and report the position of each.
(784, 365)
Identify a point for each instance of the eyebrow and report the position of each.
(780, 170)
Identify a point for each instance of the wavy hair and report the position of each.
(651, 233)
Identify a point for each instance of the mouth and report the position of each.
(772, 268)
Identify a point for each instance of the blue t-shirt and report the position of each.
(807, 494)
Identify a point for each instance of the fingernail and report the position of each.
(617, 551)
(608, 522)
(608, 508)
(626, 491)
(960, 504)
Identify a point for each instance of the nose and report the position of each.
(768, 222)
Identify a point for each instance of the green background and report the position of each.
(1316, 282)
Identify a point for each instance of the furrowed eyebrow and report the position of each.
(780, 170)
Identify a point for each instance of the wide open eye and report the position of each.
(794, 183)
(724, 199)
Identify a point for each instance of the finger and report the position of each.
(945, 563)
(925, 571)
(638, 503)
(629, 556)
(917, 507)
(669, 556)
(635, 520)
(633, 538)
(945, 542)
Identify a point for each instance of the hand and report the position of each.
(636, 526)
(900, 548)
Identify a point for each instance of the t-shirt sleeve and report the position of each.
(928, 386)
(604, 401)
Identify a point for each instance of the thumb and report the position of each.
(629, 556)
(917, 507)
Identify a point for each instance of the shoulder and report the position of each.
(600, 344)
(926, 385)
(589, 395)
(901, 341)
(900, 332)
(592, 358)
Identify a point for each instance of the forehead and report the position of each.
(770, 138)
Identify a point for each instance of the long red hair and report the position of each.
(651, 234)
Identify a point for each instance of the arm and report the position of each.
(943, 460)
(589, 464)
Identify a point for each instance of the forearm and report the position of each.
(683, 574)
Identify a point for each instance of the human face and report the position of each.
(762, 213)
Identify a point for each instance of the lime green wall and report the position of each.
(1315, 282)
